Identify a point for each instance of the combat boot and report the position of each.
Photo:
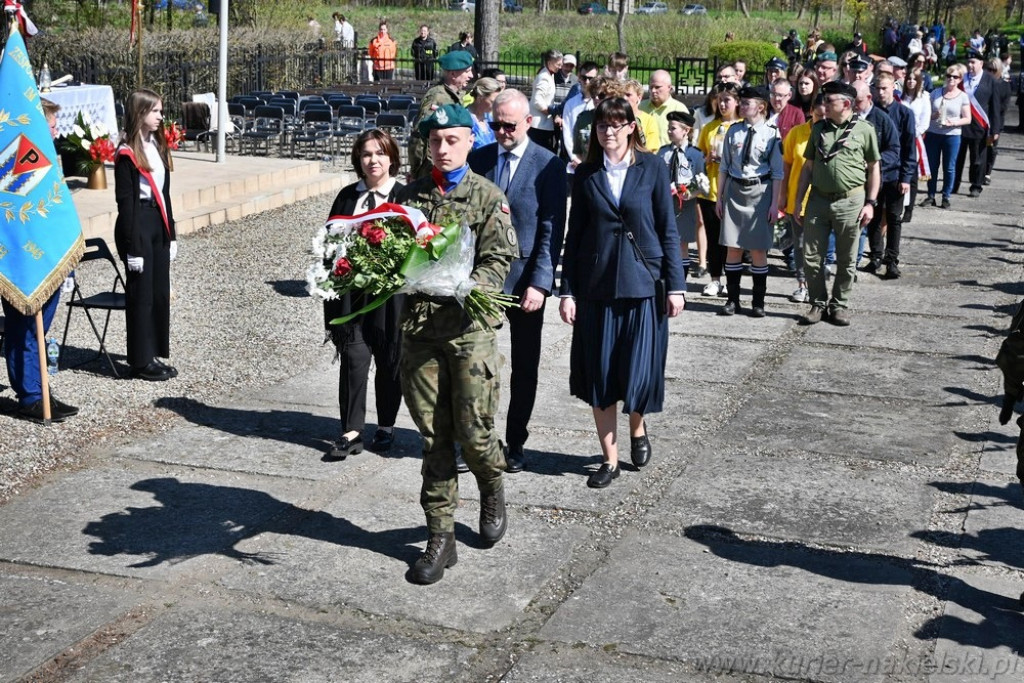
(493, 520)
(439, 555)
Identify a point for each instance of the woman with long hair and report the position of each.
(483, 92)
(711, 143)
(950, 111)
(144, 234)
(916, 99)
(622, 278)
(806, 91)
(375, 159)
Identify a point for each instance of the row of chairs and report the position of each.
(319, 128)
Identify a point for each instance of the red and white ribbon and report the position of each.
(24, 23)
(417, 221)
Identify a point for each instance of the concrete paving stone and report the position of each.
(874, 372)
(362, 546)
(143, 521)
(980, 632)
(559, 663)
(907, 333)
(43, 616)
(915, 293)
(861, 504)
(700, 318)
(845, 426)
(235, 646)
(780, 610)
(992, 533)
(999, 448)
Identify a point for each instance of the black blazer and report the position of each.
(126, 193)
(600, 262)
(536, 197)
(987, 94)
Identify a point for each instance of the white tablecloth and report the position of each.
(97, 101)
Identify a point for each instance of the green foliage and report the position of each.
(755, 54)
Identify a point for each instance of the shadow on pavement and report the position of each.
(291, 288)
(1000, 622)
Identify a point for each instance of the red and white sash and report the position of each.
(158, 193)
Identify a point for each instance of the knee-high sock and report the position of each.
(760, 277)
(733, 273)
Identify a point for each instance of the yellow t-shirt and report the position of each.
(649, 126)
(793, 154)
(710, 142)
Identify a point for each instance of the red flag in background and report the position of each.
(25, 24)
(135, 23)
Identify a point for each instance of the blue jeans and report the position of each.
(21, 350)
(947, 146)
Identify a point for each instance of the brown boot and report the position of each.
(493, 520)
(439, 555)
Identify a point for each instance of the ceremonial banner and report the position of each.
(40, 234)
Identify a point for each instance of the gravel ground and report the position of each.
(240, 317)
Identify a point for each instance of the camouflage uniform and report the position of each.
(450, 365)
(419, 152)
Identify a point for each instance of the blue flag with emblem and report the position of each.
(40, 234)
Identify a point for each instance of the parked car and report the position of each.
(512, 6)
(592, 8)
(178, 4)
(693, 9)
(462, 6)
(652, 8)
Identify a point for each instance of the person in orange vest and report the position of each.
(382, 51)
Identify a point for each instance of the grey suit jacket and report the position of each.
(537, 199)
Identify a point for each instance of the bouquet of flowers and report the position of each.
(394, 249)
(699, 185)
(174, 134)
(88, 144)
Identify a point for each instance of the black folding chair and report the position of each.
(96, 249)
(317, 129)
(268, 126)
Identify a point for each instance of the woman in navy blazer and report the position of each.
(622, 238)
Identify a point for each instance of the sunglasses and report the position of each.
(952, 75)
(505, 126)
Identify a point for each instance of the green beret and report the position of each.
(827, 56)
(446, 116)
(456, 61)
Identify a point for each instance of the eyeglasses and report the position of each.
(610, 128)
(584, 79)
(505, 126)
(952, 75)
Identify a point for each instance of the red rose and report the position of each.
(342, 267)
(372, 233)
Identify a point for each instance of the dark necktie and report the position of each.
(747, 143)
(371, 201)
(505, 174)
(673, 165)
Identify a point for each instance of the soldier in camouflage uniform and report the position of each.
(456, 72)
(450, 365)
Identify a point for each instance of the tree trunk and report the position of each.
(744, 8)
(800, 10)
(485, 30)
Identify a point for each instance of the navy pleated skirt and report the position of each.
(618, 354)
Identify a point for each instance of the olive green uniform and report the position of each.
(450, 365)
(834, 205)
(419, 152)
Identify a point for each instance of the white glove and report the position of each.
(135, 263)
(174, 249)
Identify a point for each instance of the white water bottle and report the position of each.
(52, 355)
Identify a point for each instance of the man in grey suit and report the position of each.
(534, 181)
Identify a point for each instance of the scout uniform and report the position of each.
(438, 96)
(450, 364)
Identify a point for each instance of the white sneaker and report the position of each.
(713, 288)
(800, 296)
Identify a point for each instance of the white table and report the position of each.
(97, 101)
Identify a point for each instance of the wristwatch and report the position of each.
(873, 203)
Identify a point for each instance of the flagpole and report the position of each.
(43, 370)
(137, 8)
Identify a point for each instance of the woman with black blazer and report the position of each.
(622, 239)
(144, 234)
(375, 158)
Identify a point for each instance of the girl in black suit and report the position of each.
(375, 157)
(622, 238)
(144, 234)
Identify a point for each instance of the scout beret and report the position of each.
(446, 116)
(827, 56)
(839, 88)
(972, 53)
(752, 92)
(859, 64)
(683, 117)
(456, 61)
(776, 63)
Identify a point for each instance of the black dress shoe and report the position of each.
(604, 476)
(974, 193)
(892, 272)
(872, 266)
(151, 373)
(730, 308)
(757, 312)
(640, 450)
(382, 441)
(169, 368)
(61, 409)
(439, 555)
(515, 461)
(493, 520)
(33, 412)
(344, 447)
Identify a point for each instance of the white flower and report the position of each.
(318, 243)
(99, 130)
(77, 130)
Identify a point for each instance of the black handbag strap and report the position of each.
(640, 254)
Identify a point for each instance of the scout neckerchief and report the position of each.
(840, 142)
(447, 180)
(158, 195)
